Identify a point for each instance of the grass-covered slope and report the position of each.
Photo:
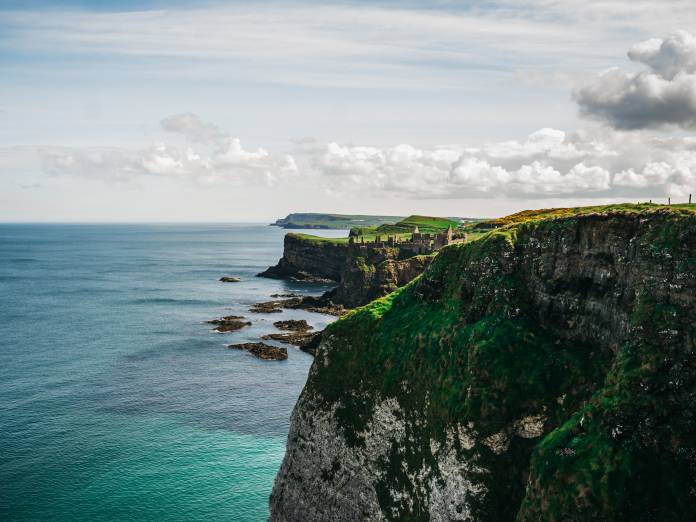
(426, 224)
(402, 228)
(527, 216)
(561, 348)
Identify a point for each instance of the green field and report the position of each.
(403, 229)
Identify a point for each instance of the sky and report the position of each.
(156, 111)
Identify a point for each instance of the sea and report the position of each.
(117, 400)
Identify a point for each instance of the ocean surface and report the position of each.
(117, 401)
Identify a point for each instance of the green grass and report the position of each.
(426, 224)
(527, 216)
(319, 240)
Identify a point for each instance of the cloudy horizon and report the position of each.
(189, 111)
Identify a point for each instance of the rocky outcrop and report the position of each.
(544, 372)
(262, 351)
(230, 323)
(369, 275)
(309, 260)
(295, 325)
(295, 338)
(362, 275)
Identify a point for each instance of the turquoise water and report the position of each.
(116, 401)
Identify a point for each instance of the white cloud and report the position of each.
(669, 57)
(191, 126)
(664, 95)
(548, 163)
(343, 45)
(212, 158)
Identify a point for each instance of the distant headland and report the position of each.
(340, 221)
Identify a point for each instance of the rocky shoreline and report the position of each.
(318, 304)
(294, 332)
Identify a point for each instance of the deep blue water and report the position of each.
(116, 401)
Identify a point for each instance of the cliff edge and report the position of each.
(546, 371)
(309, 258)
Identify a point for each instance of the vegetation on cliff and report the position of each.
(582, 320)
(404, 227)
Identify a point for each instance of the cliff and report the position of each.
(546, 371)
(362, 275)
(375, 273)
(309, 258)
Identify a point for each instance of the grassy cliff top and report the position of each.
(478, 229)
(527, 216)
(426, 224)
(402, 229)
(318, 239)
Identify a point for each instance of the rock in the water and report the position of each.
(320, 305)
(230, 323)
(296, 338)
(268, 307)
(312, 344)
(263, 351)
(229, 279)
(293, 325)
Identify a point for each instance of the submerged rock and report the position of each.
(230, 323)
(294, 325)
(262, 351)
(230, 279)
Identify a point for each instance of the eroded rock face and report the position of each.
(547, 372)
(376, 274)
(362, 275)
(307, 260)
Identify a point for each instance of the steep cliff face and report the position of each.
(368, 275)
(306, 259)
(363, 275)
(544, 372)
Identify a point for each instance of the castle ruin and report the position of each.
(418, 244)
